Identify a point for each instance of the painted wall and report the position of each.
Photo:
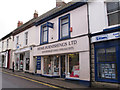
(0, 46)
(32, 38)
(10, 44)
(78, 21)
(97, 16)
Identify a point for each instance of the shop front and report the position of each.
(22, 60)
(4, 59)
(107, 57)
(67, 59)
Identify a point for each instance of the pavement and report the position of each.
(67, 84)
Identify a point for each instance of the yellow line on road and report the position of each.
(33, 80)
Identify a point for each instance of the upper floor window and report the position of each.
(7, 43)
(17, 40)
(113, 12)
(26, 38)
(44, 34)
(64, 27)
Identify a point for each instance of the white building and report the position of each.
(24, 40)
(6, 45)
(64, 43)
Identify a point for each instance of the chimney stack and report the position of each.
(19, 23)
(35, 14)
(60, 3)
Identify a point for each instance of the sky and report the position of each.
(12, 11)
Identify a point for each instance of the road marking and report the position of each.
(34, 81)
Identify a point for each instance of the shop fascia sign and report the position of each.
(104, 37)
(58, 45)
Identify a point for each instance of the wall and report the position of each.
(78, 21)
(0, 46)
(10, 44)
(97, 16)
(32, 38)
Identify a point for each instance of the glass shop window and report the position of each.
(106, 63)
(47, 66)
(56, 65)
(73, 68)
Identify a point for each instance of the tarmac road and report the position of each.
(9, 81)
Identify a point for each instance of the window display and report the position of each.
(106, 61)
(73, 68)
(47, 66)
(51, 65)
(56, 65)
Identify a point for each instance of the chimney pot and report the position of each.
(35, 14)
(19, 23)
(60, 3)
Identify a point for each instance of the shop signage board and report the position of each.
(39, 63)
(65, 46)
(104, 37)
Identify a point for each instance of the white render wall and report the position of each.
(97, 16)
(32, 37)
(0, 46)
(10, 44)
(78, 21)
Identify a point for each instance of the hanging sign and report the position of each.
(49, 24)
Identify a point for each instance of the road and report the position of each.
(10, 81)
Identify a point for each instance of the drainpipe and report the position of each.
(89, 35)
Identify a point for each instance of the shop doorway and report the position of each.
(62, 66)
(21, 61)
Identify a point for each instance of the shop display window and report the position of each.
(106, 63)
(47, 66)
(73, 69)
(51, 65)
(56, 65)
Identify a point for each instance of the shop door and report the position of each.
(21, 61)
(63, 66)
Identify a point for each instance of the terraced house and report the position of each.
(6, 45)
(75, 41)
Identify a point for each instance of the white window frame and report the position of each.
(26, 38)
(112, 12)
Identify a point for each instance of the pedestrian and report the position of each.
(13, 66)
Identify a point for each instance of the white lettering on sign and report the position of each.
(104, 37)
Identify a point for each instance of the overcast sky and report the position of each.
(12, 11)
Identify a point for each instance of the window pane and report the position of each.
(101, 55)
(111, 54)
(56, 65)
(64, 20)
(107, 71)
(74, 65)
(64, 30)
(112, 6)
(45, 36)
(44, 28)
(47, 66)
(114, 18)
